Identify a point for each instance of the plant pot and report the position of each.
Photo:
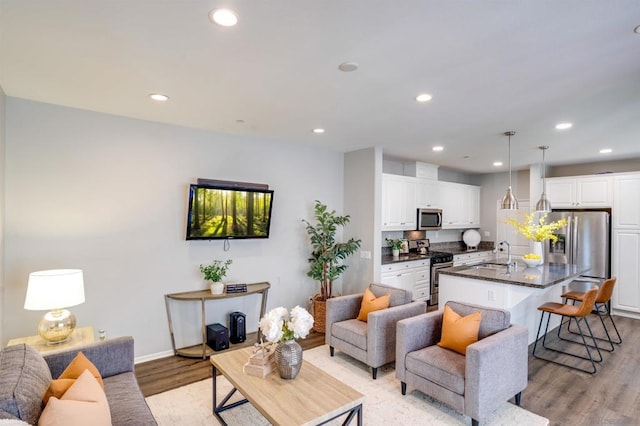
(288, 357)
(217, 287)
(319, 314)
(395, 252)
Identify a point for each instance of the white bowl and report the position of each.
(531, 262)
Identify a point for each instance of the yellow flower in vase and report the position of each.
(537, 231)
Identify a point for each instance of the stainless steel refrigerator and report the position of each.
(585, 241)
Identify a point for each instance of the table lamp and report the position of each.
(55, 290)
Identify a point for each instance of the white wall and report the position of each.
(109, 194)
(362, 201)
(614, 166)
(2, 208)
(494, 186)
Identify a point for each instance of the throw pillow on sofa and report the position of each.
(84, 403)
(68, 377)
(24, 377)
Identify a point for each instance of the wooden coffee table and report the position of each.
(312, 398)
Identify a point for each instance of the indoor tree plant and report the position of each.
(327, 256)
(215, 272)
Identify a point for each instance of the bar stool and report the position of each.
(602, 309)
(578, 314)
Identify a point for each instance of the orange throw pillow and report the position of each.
(459, 332)
(83, 404)
(68, 377)
(372, 303)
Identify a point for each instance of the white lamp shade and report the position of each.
(54, 289)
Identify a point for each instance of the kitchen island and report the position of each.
(520, 290)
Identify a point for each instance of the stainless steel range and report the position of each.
(439, 260)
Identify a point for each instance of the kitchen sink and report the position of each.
(502, 267)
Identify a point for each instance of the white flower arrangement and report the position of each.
(279, 325)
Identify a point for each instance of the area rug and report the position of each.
(384, 404)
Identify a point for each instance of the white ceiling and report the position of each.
(491, 66)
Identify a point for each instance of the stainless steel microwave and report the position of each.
(429, 219)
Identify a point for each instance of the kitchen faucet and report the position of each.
(509, 263)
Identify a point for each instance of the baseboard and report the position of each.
(152, 357)
(627, 314)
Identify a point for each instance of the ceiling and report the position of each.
(490, 66)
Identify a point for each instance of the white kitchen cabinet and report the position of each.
(398, 203)
(470, 206)
(460, 205)
(625, 266)
(413, 276)
(428, 194)
(626, 201)
(580, 191)
(472, 258)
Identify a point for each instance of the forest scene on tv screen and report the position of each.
(220, 213)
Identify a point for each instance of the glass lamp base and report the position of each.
(56, 326)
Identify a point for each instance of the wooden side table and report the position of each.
(201, 350)
(80, 337)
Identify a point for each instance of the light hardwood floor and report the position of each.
(564, 396)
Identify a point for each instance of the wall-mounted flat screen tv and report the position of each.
(228, 213)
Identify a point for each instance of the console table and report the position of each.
(202, 350)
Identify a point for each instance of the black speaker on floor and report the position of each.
(237, 325)
(217, 337)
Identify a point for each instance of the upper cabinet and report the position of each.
(403, 195)
(460, 205)
(626, 204)
(580, 192)
(398, 203)
(428, 194)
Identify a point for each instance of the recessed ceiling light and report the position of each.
(497, 163)
(437, 148)
(564, 126)
(606, 151)
(348, 66)
(223, 17)
(423, 97)
(159, 97)
(318, 130)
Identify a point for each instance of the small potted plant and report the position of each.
(395, 245)
(215, 273)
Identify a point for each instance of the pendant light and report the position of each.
(543, 204)
(509, 202)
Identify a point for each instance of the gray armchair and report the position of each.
(372, 342)
(493, 370)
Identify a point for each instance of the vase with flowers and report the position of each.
(283, 327)
(537, 231)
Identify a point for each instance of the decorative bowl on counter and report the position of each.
(531, 262)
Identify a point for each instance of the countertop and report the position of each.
(404, 258)
(540, 276)
(407, 257)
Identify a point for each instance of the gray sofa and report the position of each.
(25, 376)
(494, 369)
(372, 342)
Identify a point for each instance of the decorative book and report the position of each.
(258, 370)
(236, 288)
